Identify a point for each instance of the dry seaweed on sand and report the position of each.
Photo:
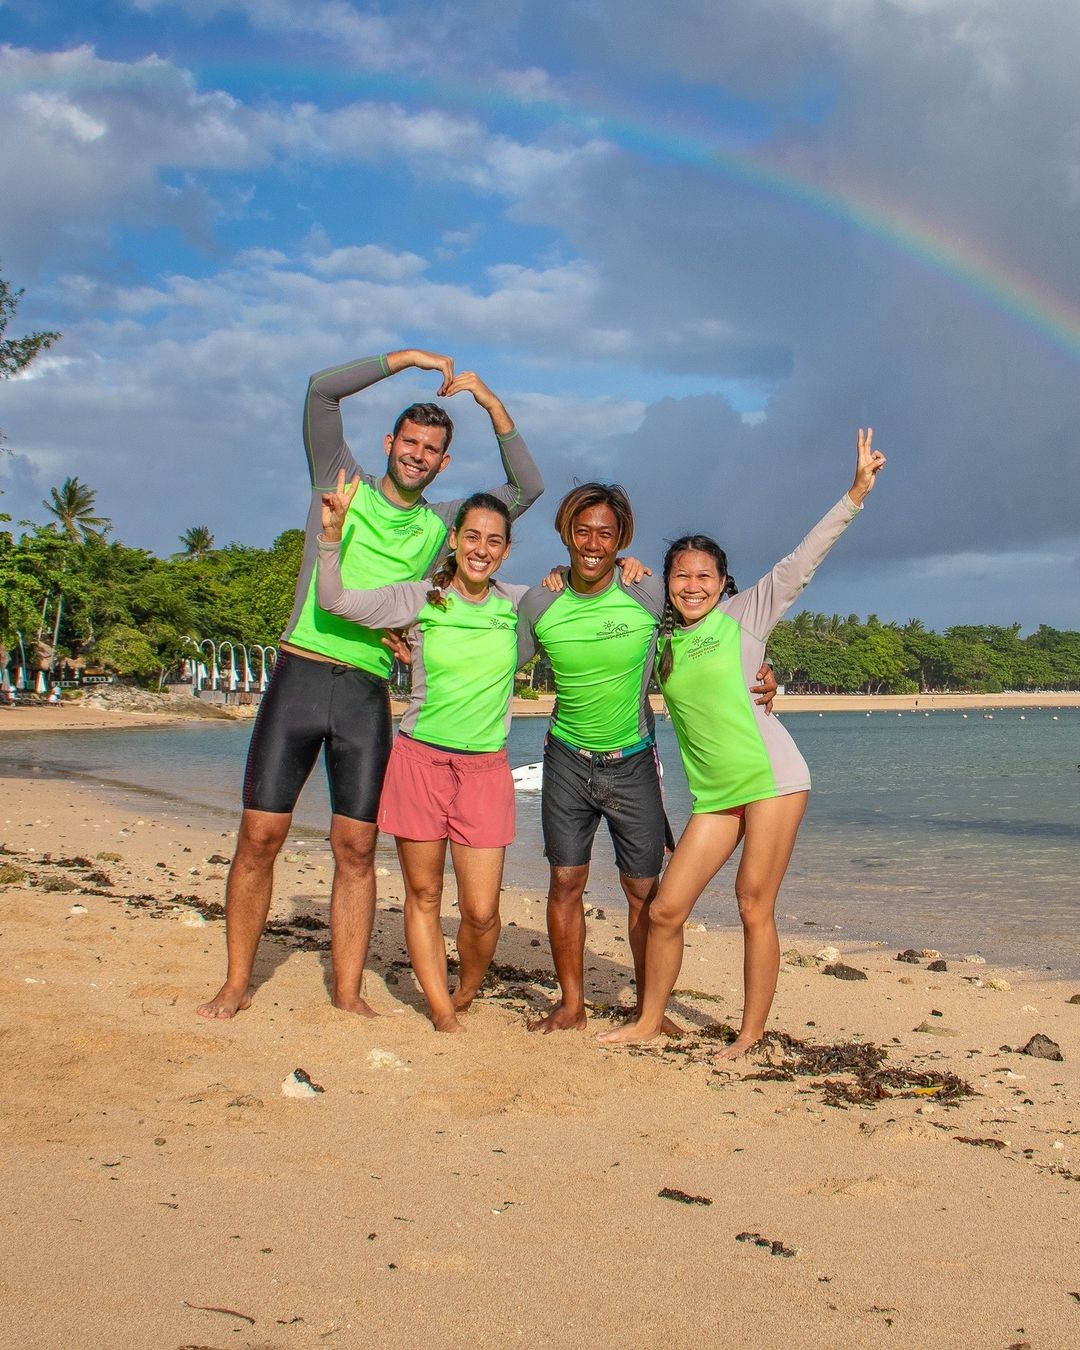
(774, 1245)
(867, 1079)
(670, 1193)
(692, 1041)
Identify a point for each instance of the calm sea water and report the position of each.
(946, 831)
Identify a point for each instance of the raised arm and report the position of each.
(523, 481)
(324, 432)
(380, 607)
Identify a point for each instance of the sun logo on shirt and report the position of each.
(613, 629)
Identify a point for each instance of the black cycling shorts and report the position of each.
(310, 705)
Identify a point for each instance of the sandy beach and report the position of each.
(499, 1187)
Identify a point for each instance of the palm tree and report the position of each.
(197, 542)
(73, 506)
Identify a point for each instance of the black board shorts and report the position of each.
(311, 706)
(581, 789)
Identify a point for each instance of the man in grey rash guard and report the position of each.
(328, 691)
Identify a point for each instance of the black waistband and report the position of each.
(446, 749)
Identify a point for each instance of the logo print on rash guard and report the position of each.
(498, 623)
(613, 629)
(702, 646)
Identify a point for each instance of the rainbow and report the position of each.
(963, 261)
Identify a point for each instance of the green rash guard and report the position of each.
(601, 650)
(731, 751)
(382, 543)
(464, 656)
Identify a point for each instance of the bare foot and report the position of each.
(669, 1028)
(738, 1047)
(562, 1019)
(448, 1022)
(631, 1033)
(353, 1003)
(462, 999)
(227, 1002)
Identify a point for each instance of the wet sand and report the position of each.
(498, 1187)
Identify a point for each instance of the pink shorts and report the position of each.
(440, 794)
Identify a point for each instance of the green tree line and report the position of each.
(127, 611)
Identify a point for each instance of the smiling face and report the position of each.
(695, 584)
(480, 546)
(414, 456)
(593, 545)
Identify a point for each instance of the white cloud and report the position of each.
(53, 110)
(99, 151)
(534, 85)
(368, 260)
(369, 38)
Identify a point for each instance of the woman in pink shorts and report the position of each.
(448, 778)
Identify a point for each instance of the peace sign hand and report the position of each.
(868, 465)
(335, 505)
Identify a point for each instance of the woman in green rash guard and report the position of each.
(746, 776)
(448, 777)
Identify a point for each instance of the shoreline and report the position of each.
(72, 716)
(1035, 958)
(144, 1138)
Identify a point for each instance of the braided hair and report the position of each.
(689, 543)
(442, 577)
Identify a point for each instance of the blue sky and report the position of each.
(670, 239)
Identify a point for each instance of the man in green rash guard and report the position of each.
(600, 760)
(328, 691)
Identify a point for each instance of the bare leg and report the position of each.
(479, 876)
(640, 893)
(422, 863)
(352, 910)
(707, 843)
(247, 903)
(566, 931)
(771, 828)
